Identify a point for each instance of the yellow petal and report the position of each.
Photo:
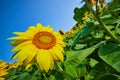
(20, 46)
(3, 65)
(19, 38)
(16, 42)
(32, 55)
(44, 28)
(62, 44)
(23, 34)
(28, 66)
(24, 53)
(3, 72)
(19, 33)
(59, 39)
(51, 62)
(59, 47)
(2, 78)
(39, 26)
(58, 54)
(52, 53)
(30, 32)
(43, 59)
(57, 34)
(34, 29)
(49, 28)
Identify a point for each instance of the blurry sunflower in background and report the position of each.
(39, 43)
(92, 2)
(3, 69)
(14, 65)
(85, 16)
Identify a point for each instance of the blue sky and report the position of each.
(18, 15)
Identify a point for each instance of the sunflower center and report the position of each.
(44, 40)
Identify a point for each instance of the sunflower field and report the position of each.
(88, 51)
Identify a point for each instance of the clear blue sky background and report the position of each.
(18, 15)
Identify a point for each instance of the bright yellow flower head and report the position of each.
(3, 69)
(39, 43)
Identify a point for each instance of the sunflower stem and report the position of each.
(63, 72)
(37, 65)
(101, 22)
(45, 76)
(116, 28)
(42, 71)
(60, 68)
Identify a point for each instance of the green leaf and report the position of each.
(22, 76)
(82, 32)
(71, 71)
(80, 46)
(36, 75)
(106, 16)
(88, 77)
(111, 20)
(110, 53)
(11, 77)
(76, 72)
(81, 70)
(97, 33)
(109, 77)
(79, 13)
(58, 76)
(118, 9)
(118, 31)
(74, 58)
(93, 62)
(96, 72)
(52, 77)
(13, 71)
(33, 78)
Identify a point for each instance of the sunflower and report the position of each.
(85, 16)
(3, 70)
(14, 65)
(92, 2)
(39, 43)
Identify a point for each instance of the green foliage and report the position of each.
(93, 62)
(82, 32)
(110, 53)
(74, 58)
(21, 73)
(79, 13)
(75, 62)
